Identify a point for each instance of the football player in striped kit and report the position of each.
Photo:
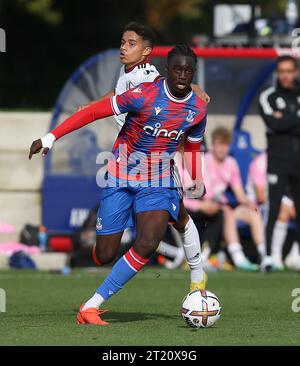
(182, 119)
(136, 46)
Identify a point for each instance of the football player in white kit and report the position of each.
(136, 46)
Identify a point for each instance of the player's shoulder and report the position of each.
(122, 70)
(143, 73)
(199, 102)
(199, 105)
(147, 86)
(146, 69)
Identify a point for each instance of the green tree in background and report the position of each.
(160, 13)
(43, 9)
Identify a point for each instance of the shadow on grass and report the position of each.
(110, 316)
(125, 317)
(194, 329)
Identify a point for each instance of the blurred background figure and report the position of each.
(280, 110)
(221, 173)
(257, 192)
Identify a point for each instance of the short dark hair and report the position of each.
(284, 58)
(222, 134)
(183, 50)
(143, 31)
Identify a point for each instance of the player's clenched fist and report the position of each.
(44, 143)
(198, 190)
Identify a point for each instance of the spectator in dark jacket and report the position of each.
(280, 109)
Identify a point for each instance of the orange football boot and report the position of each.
(90, 316)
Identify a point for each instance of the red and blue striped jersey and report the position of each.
(155, 126)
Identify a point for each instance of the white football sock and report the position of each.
(192, 249)
(236, 252)
(94, 302)
(167, 250)
(278, 239)
(177, 260)
(261, 248)
(205, 253)
(293, 258)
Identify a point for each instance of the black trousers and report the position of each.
(279, 183)
(210, 229)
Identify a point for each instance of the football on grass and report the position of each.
(200, 309)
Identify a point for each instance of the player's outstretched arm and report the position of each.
(107, 95)
(79, 119)
(200, 93)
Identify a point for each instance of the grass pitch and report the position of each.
(41, 309)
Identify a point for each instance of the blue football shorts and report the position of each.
(119, 205)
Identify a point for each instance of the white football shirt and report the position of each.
(141, 73)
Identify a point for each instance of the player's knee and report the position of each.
(284, 214)
(229, 215)
(283, 217)
(180, 225)
(256, 217)
(146, 244)
(105, 255)
(227, 210)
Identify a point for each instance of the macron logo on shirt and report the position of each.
(157, 110)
